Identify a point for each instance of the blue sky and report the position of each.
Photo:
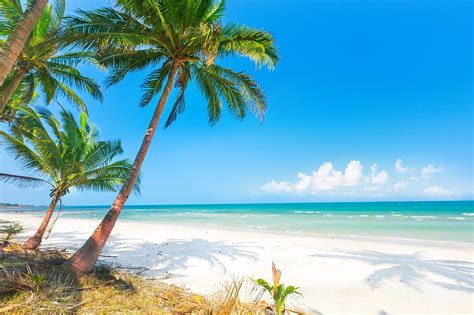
(359, 83)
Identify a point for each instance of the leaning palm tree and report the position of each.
(180, 41)
(64, 154)
(43, 64)
(21, 30)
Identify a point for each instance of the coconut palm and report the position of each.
(21, 30)
(180, 42)
(64, 154)
(43, 64)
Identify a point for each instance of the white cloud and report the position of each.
(371, 188)
(430, 169)
(402, 169)
(327, 178)
(353, 175)
(276, 187)
(400, 185)
(437, 191)
(376, 177)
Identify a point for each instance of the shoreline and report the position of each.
(216, 227)
(336, 274)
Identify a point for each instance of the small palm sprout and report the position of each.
(8, 230)
(63, 154)
(278, 291)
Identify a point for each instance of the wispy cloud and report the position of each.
(400, 168)
(437, 191)
(430, 169)
(400, 185)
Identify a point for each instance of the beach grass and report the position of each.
(35, 281)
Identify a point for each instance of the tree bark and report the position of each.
(35, 241)
(18, 37)
(85, 258)
(7, 91)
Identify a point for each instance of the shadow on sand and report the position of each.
(167, 258)
(412, 269)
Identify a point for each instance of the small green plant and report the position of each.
(36, 278)
(278, 291)
(9, 230)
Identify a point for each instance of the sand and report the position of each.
(336, 275)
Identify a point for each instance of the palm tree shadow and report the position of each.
(412, 269)
(175, 255)
(171, 257)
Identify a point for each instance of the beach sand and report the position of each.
(336, 275)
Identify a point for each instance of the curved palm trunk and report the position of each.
(18, 37)
(7, 91)
(85, 258)
(35, 241)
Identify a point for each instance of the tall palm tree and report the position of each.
(43, 63)
(22, 29)
(180, 40)
(64, 154)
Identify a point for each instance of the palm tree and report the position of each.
(64, 154)
(180, 41)
(43, 63)
(20, 32)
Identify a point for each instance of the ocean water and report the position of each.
(450, 221)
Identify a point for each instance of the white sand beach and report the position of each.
(336, 275)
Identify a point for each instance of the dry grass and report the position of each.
(36, 282)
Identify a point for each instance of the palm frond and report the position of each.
(154, 82)
(22, 181)
(184, 76)
(255, 44)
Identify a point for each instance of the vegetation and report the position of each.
(8, 230)
(277, 290)
(19, 33)
(42, 64)
(181, 41)
(63, 154)
(37, 282)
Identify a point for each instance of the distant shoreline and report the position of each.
(16, 205)
(128, 205)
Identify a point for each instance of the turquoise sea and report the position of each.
(451, 221)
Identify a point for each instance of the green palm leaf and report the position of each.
(45, 64)
(67, 152)
(22, 181)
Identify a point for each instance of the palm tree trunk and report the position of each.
(7, 91)
(18, 37)
(85, 258)
(35, 241)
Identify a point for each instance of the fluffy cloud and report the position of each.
(400, 185)
(400, 168)
(327, 178)
(437, 191)
(430, 169)
(274, 186)
(354, 179)
(376, 177)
